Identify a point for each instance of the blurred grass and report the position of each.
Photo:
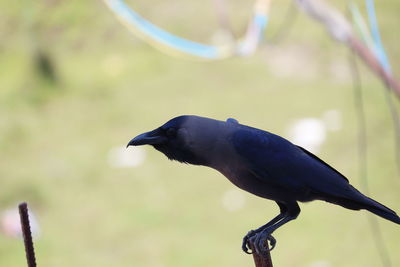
(110, 86)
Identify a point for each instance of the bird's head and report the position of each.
(186, 139)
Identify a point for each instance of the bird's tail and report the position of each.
(381, 210)
(374, 206)
(355, 200)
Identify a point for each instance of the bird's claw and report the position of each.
(245, 242)
(258, 242)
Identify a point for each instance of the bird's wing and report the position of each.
(322, 162)
(275, 160)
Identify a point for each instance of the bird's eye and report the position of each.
(171, 132)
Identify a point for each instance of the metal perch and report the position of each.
(27, 235)
(261, 260)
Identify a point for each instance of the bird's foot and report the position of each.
(256, 242)
(245, 242)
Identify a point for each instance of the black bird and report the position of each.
(261, 163)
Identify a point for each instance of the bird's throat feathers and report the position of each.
(181, 155)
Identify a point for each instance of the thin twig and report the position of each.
(363, 161)
(26, 231)
(370, 59)
(286, 25)
(223, 18)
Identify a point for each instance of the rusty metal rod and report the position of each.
(259, 259)
(27, 235)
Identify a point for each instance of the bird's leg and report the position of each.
(265, 235)
(252, 233)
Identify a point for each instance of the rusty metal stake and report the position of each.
(261, 260)
(26, 231)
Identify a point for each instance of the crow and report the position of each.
(261, 163)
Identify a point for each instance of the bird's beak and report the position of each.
(154, 137)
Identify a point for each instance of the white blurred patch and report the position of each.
(122, 157)
(11, 225)
(333, 120)
(309, 133)
(233, 200)
(320, 263)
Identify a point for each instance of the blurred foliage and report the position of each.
(75, 83)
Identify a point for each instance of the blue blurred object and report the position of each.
(380, 50)
(168, 42)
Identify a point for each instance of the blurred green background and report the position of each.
(75, 84)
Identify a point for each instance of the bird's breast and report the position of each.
(233, 175)
(244, 179)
